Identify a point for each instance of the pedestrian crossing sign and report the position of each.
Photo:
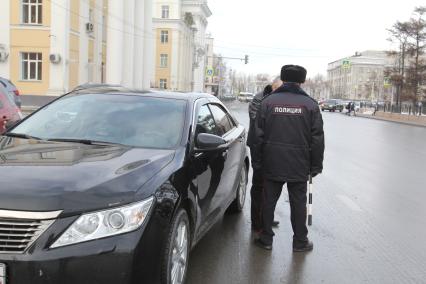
(387, 82)
(209, 72)
(346, 64)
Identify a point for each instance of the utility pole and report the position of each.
(219, 91)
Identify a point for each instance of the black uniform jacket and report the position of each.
(254, 107)
(290, 136)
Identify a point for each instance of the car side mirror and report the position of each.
(209, 142)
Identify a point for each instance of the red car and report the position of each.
(9, 112)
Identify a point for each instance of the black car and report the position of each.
(113, 186)
(332, 105)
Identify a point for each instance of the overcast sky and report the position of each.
(310, 33)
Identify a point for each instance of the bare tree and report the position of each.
(316, 87)
(408, 75)
(399, 35)
(416, 49)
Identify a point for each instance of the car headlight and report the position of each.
(96, 225)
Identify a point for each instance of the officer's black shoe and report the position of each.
(308, 246)
(258, 242)
(275, 223)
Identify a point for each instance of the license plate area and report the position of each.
(2, 273)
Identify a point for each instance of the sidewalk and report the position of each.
(396, 117)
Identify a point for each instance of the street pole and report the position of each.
(219, 91)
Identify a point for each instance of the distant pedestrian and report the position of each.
(349, 108)
(353, 108)
(257, 180)
(376, 107)
(289, 148)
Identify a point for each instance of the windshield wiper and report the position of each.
(82, 141)
(21, 135)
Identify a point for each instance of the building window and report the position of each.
(165, 12)
(163, 60)
(163, 83)
(164, 36)
(31, 66)
(32, 12)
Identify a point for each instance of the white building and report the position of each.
(200, 12)
(361, 76)
(180, 31)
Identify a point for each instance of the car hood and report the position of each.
(74, 178)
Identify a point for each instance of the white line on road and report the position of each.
(349, 203)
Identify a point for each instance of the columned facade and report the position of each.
(149, 46)
(180, 31)
(115, 42)
(5, 39)
(200, 12)
(128, 43)
(50, 47)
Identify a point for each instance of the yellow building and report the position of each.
(180, 50)
(51, 46)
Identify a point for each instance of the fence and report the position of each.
(404, 108)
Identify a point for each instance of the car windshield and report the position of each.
(130, 120)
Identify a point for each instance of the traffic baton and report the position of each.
(310, 186)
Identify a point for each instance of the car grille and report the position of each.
(17, 235)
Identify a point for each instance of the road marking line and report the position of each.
(349, 203)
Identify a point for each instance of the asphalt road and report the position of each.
(369, 215)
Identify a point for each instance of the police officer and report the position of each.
(289, 147)
(256, 191)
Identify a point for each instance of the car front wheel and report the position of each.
(177, 250)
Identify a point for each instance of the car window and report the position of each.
(221, 118)
(131, 120)
(5, 97)
(205, 121)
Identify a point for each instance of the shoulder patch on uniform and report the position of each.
(287, 109)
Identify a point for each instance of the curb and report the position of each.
(394, 121)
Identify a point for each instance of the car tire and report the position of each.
(176, 252)
(238, 204)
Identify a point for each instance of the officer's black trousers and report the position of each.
(297, 195)
(256, 194)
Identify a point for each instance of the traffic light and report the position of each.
(246, 59)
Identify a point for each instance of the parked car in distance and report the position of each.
(12, 90)
(332, 105)
(110, 186)
(9, 112)
(228, 97)
(245, 97)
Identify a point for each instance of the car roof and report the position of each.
(7, 84)
(5, 98)
(120, 90)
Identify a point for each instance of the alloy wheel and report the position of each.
(242, 187)
(179, 254)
